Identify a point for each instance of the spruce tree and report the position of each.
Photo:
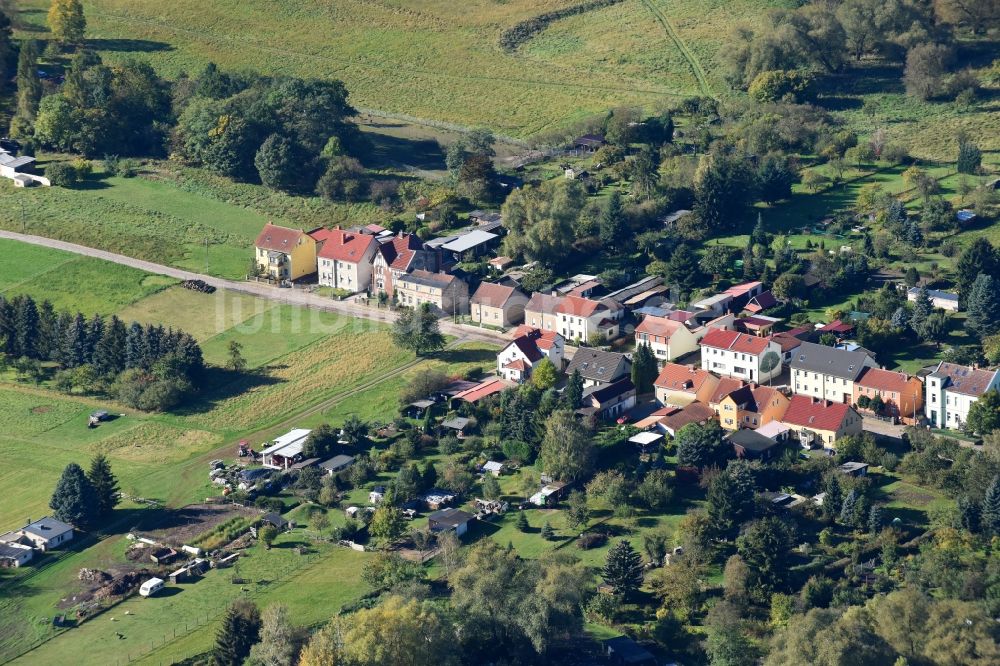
(109, 353)
(682, 269)
(429, 477)
(848, 509)
(833, 498)
(25, 327)
(239, 631)
(573, 393)
(547, 532)
(29, 85)
(74, 501)
(105, 485)
(48, 325)
(95, 331)
(623, 568)
(74, 349)
(990, 514)
(983, 306)
(875, 519)
(134, 343)
(522, 522)
(968, 514)
(922, 309)
(644, 369)
(610, 225)
(979, 257)
(970, 157)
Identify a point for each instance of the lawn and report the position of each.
(202, 315)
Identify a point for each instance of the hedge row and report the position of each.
(519, 33)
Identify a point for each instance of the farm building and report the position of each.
(447, 520)
(286, 450)
(336, 464)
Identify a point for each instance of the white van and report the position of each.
(151, 587)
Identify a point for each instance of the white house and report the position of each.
(579, 318)
(516, 361)
(952, 389)
(286, 450)
(346, 260)
(15, 554)
(740, 355)
(671, 338)
(43, 534)
(940, 299)
(13, 168)
(827, 373)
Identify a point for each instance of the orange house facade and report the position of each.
(902, 395)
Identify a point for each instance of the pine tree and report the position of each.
(74, 501)
(979, 257)
(105, 485)
(239, 631)
(547, 532)
(875, 519)
(573, 393)
(522, 522)
(848, 509)
(610, 225)
(25, 327)
(983, 306)
(74, 350)
(623, 568)
(29, 85)
(644, 369)
(990, 514)
(67, 22)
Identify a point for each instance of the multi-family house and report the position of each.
(282, 253)
(952, 390)
(609, 401)
(740, 355)
(497, 305)
(822, 422)
(397, 256)
(345, 260)
(902, 396)
(827, 373)
(752, 406)
(580, 319)
(446, 293)
(598, 367)
(671, 338)
(529, 346)
(680, 385)
(540, 312)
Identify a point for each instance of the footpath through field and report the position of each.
(286, 296)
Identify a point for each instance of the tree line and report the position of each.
(146, 367)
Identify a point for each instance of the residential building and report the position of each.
(285, 254)
(446, 293)
(743, 293)
(489, 387)
(723, 388)
(822, 422)
(901, 394)
(609, 401)
(449, 520)
(581, 318)
(740, 355)
(680, 385)
(827, 373)
(762, 301)
(14, 554)
(671, 338)
(540, 312)
(398, 255)
(752, 406)
(43, 534)
(940, 299)
(672, 419)
(516, 361)
(952, 390)
(751, 445)
(336, 464)
(345, 260)
(598, 367)
(623, 651)
(497, 305)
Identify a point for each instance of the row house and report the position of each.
(752, 406)
(445, 293)
(952, 390)
(901, 394)
(671, 337)
(598, 367)
(574, 317)
(345, 260)
(680, 385)
(397, 256)
(497, 305)
(740, 355)
(827, 373)
(529, 346)
(821, 422)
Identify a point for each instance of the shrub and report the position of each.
(589, 540)
(62, 174)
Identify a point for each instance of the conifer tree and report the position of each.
(74, 349)
(239, 631)
(573, 393)
(623, 568)
(29, 85)
(547, 532)
(25, 328)
(105, 485)
(983, 306)
(522, 522)
(848, 509)
(74, 501)
(990, 514)
(644, 369)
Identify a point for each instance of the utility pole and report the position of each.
(24, 223)
(206, 255)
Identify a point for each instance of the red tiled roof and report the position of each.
(733, 341)
(726, 386)
(761, 302)
(543, 339)
(883, 380)
(399, 253)
(280, 239)
(517, 365)
(659, 326)
(528, 347)
(480, 391)
(575, 305)
(738, 290)
(540, 302)
(836, 326)
(492, 295)
(696, 412)
(341, 245)
(786, 341)
(678, 377)
(680, 315)
(815, 414)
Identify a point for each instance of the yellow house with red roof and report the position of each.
(282, 253)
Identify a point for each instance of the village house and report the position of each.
(822, 422)
(474, 394)
(286, 254)
(751, 445)
(497, 305)
(671, 419)
(14, 554)
(598, 367)
(752, 406)
(739, 355)
(827, 373)
(743, 294)
(942, 300)
(680, 385)
(952, 390)
(336, 464)
(609, 401)
(671, 338)
(446, 293)
(43, 534)
(397, 256)
(345, 260)
(449, 520)
(17, 169)
(762, 301)
(723, 388)
(540, 312)
(516, 361)
(902, 396)
(583, 318)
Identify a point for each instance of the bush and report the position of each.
(589, 540)
(62, 174)
(773, 85)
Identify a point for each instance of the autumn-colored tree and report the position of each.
(67, 22)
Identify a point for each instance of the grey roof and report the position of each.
(337, 462)
(47, 527)
(450, 517)
(12, 162)
(468, 241)
(599, 365)
(11, 551)
(457, 423)
(934, 293)
(751, 440)
(628, 651)
(829, 361)
(428, 279)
